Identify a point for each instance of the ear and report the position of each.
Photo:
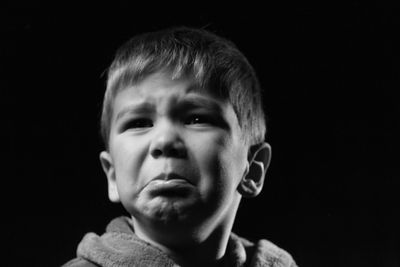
(259, 158)
(109, 169)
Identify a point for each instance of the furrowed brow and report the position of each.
(140, 108)
(200, 102)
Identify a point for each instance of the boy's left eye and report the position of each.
(198, 119)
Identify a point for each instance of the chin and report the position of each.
(167, 210)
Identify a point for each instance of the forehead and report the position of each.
(163, 82)
(159, 87)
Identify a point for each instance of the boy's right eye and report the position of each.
(138, 124)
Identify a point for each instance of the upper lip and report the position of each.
(169, 176)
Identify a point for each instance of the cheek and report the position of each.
(233, 164)
(221, 163)
(128, 158)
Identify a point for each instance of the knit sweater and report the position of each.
(119, 246)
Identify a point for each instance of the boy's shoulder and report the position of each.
(119, 246)
(79, 262)
(262, 252)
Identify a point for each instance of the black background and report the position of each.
(331, 77)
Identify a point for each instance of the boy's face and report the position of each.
(176, 153)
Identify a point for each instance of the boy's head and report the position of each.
(216, 65)
(184, 129)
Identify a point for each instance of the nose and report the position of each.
(168, 142)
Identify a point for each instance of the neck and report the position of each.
(210, 252)
(199, 247)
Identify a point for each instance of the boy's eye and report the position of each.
(198, 119)
(138, 123)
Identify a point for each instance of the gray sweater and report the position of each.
(119, 246)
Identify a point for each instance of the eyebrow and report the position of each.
(191, 102)
(140, 108)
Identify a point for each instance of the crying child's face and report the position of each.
(176, 154)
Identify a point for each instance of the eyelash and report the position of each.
(148, 123)
(198, 119)
(138, 123)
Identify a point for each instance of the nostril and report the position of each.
(176, 151)
(169, 151)
(180, 153)
(156, 153)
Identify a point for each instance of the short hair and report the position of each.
(216, 64)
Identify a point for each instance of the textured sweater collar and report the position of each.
(119, 246)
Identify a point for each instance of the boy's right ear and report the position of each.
(109, 169)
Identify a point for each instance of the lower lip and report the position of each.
(173, 187)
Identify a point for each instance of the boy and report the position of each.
(184, 131)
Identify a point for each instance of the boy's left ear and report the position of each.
(259, 158)
(109, 169)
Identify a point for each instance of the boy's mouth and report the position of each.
(169, 177)
(170, 185)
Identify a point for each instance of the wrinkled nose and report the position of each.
(168, 143)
